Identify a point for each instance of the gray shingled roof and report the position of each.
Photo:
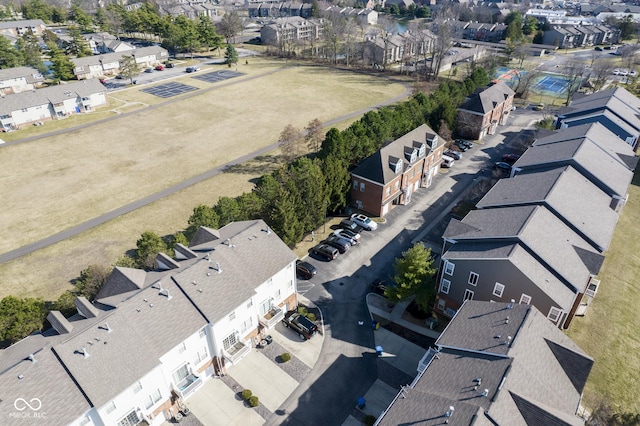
(586, 157)
(488, 99)
(540, 232)
(248, 256)
(604, 138)
(630, 114)
(45, 380)
(532, 379)
(142, 330)
(31, 74)
(617, 92)
(21, 23)
(568, 194)
(51, 94)
(622, 128)
(521, 259)
(377, 168)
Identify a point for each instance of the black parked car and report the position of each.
(300, 324)
(325, 251)
(342, 244)
(305, 270)
(453, 154)
(350, 225)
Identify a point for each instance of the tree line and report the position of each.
(292, 200)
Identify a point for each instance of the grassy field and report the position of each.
(610, 330)
(54, 183)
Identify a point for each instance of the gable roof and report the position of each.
(31, 74)
(377, 167)
(568, 194)
(525, 381)
(245, 256)
(130, 340)
(608, 118)
(585, 156)
(541, 233)
(597, 133)
(486, 100)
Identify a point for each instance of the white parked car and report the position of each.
(633, 73)
(624, 73)
(616, 72)
(364, 221)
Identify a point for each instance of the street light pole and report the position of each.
(324, 223)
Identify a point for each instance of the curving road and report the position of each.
(96, 221)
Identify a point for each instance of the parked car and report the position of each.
(149, 70)
(345, 233)
(510, 158)
(300, 324)
(350, 225)
(461, 145)
(325, 251)
(192, 69)
(447, 162)
(170, 65)
(159, 67)
(340, 234)
(453, 154)
(464, 142)
(501, 165)
(598, 48)
(341, 244)
(633, 73)
(538, 107)
(305, 270)
(364, 221)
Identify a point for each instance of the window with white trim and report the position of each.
(468, 295)
(137, 387)
(554, 314)
(181, 373)
(442, 304)
(182, 347)
(130, 419)
(449, 267)
(200, 355)
(388, 190)
(84, 421)
(150, 400)
(355, 184)
(232, 316)
(361, 186)
(277, 295)
(111, 408)
(473, 278)
(246, 325)
(498, 289)
(249, 304)
(525, 299)
(202, 332)
(397, 185)
(444, 286)
(230, 340)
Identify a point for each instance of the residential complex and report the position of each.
(151, 339)
(495, 363)
(539, 237)
(485, 110)
(389, 177)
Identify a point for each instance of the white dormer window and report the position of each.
(414, 156)
(398, 166)
(422, 150)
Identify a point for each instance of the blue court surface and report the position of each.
(551, 84)
(168, 90)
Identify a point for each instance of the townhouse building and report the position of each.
(539, 237)
(495, 363)
(152, 338)
(108, 64)
(15, 29)
(19, 79)
(484, 111)
(389, 177)
(50, 103)
(291, 30)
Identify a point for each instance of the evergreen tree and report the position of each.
(230, 55)
(10, 57)
(148, 247)
(413, 277)
(62, 66)
(20, 317)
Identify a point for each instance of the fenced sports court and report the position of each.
(547, 84)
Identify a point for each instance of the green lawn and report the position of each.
(610, 332)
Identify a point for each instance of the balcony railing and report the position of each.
(188, 385)
(271, 318)
(236, 352)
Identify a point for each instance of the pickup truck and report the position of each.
(300, 324)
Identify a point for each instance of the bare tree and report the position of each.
(386, 29)
(289, 141)
(314, 136)
(230, 26)
(424, 41)
(525, 78)
(333, 33)
(574, 71)
(351, 30)
(601, 69)
(442, 46)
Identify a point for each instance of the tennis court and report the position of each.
(553, 84)
(214, 77)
